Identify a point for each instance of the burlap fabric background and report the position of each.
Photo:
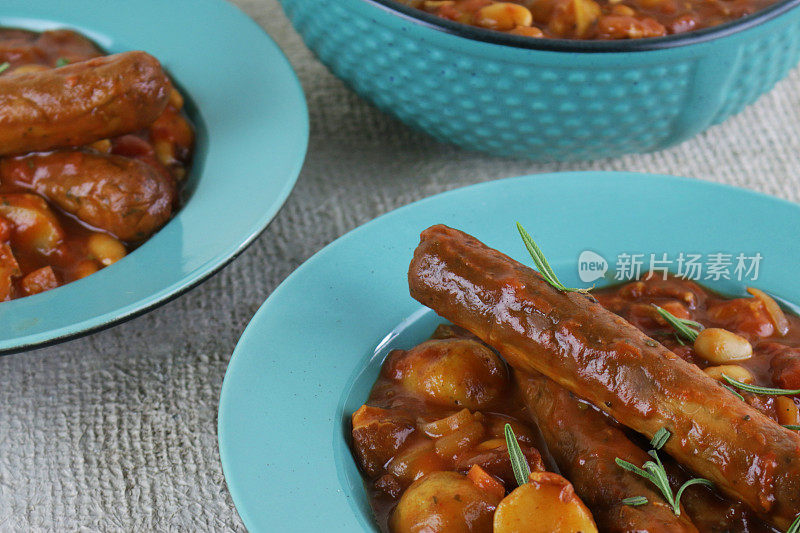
(117, 431)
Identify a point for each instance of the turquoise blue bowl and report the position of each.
(252, 133)
(310, 355)
(547, 99)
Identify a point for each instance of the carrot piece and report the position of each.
(485, 481)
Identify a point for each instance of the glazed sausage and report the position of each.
(23, 47)
(125, 197)
(598, 355)
(585, 446)
(80, 103)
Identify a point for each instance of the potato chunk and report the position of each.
(453, 373)
(445, 502)
(546, 504)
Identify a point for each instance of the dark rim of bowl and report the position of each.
(573, 45)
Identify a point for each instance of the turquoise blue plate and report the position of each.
(252, 127)
(311, 353)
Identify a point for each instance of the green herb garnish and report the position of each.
(792, 426)
(518, 462)
(687, 329)
(4, 66)
(795, 527)
(660, 438)
(541, 262)
(755, 389)
(635, 501)
(733, 391)
(62, 62)
(657, 474)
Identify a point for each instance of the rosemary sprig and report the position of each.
(4, 66)
(635, 501)
(792, 426)
(62, 62)
(655, 473)
(541, 263)
(688, 329)
(755, 389)
(734, 392)
(795, 527)
(660, 438)
(518, 462)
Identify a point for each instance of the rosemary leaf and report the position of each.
(695, 481)
(660, 438)
(519, 464)
(657, 474)
(662, 481)
(635, 501)
(733, 391)
(541, 264)
(688, 329)
(792, 426)
(795, 527)
(755, 389)
(4, 66)
(630, 467)
(62, 62)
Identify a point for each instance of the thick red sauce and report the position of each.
(415, 388)
(747, 317)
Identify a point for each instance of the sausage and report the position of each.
(125, 197)
(584, 446)
(80, 103)
(607, 361)
(23, 47)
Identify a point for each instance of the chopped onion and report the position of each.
(445, 426)
(773, 310)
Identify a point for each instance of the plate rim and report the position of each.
(259, 317)
(225, 254)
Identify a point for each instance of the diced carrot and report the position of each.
(485, 481)
(39, 280)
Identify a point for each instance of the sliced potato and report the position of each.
(454, 373)
(546, 504)
(35, 224)
(444, 502)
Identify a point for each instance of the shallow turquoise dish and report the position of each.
(310, 355)
(252, 133)
(548, 99)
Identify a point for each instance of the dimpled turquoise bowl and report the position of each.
(548, 99)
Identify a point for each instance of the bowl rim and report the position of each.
(284, 375)
(474, 33)
(202, 237)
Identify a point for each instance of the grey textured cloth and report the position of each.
(117, 431)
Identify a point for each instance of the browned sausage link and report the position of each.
(584, 446)
(125, 197)
(24, 47)
(80, 103)
(598, 355)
